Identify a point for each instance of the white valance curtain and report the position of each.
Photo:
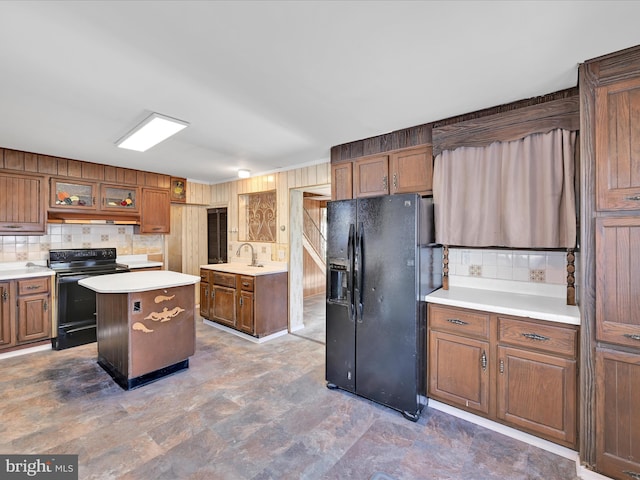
(517, 194)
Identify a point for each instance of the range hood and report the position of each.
(92, 218)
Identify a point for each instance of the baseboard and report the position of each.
(244, 335)
(24, 351)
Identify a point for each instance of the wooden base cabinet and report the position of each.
(25, 312)
(255, 305)
(618, 407)
(517, 371)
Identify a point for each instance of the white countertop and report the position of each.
(243, 268)
(16, 270)
(540, 307)
(138, 281)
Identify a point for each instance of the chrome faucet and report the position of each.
(254, 256)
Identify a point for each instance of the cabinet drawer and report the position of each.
(532, 335)
(224, 279)
(459, 321)
(204, 276)
(33, 285)
(246, 283)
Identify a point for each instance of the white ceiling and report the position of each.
(273, 85)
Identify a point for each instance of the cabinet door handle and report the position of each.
(245, 284)
(5, 296)
(13, 226)
(633, 197)
(46, 306)
(34, 287)
(634, 475)
(483, 361)
(213, 293)
(501, 366)
(536, 337)
(385, 182)
(456, 321)
(632, 336)
(395, 181)
(241, 301)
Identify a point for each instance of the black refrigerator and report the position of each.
(381, 262)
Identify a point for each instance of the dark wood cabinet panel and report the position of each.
(342, 181)
(371, 176)
(23, 204)
(223, 305)
(459, 371)
(617, 146)
(155, 211)
(618, 431)
(412, 171)
(537, 392)
(34, 311)
(618, 280)
(7, 336)
(245, 312)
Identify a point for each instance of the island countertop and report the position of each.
(138, 281)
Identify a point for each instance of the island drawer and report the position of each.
(33, 285)
(562, 340)
(459, 321)
(246, 283)
(224, 279)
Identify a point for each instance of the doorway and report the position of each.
(216, 235)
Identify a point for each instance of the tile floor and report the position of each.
(242, 411)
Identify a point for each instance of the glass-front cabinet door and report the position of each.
(72, 195)
(119, 198)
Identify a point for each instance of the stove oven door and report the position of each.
(76, 311)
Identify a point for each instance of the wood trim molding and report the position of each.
(509, 122)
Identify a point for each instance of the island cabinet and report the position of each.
(517, 371)
(408, 170)
(30, 321)
(23, 204)
(253, 304)
(145, 324)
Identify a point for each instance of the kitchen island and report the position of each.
(145, 324)
(249, 301)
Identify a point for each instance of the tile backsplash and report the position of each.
(32, 248)
(515, 265)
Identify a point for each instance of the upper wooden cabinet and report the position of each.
(617, 123)
(23, 204)
(371, 176)
(80, 196)
(155, 211)
(408, 170)
(411, 170)
(342, 181)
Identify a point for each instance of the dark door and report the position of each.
(217, 235)
(387, 322)
(340, 327)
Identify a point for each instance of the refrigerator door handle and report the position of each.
(351, 259)
(359, 271)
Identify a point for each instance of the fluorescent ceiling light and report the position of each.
(151, 131)
(244, 173)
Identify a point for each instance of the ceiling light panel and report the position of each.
(151, 131)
